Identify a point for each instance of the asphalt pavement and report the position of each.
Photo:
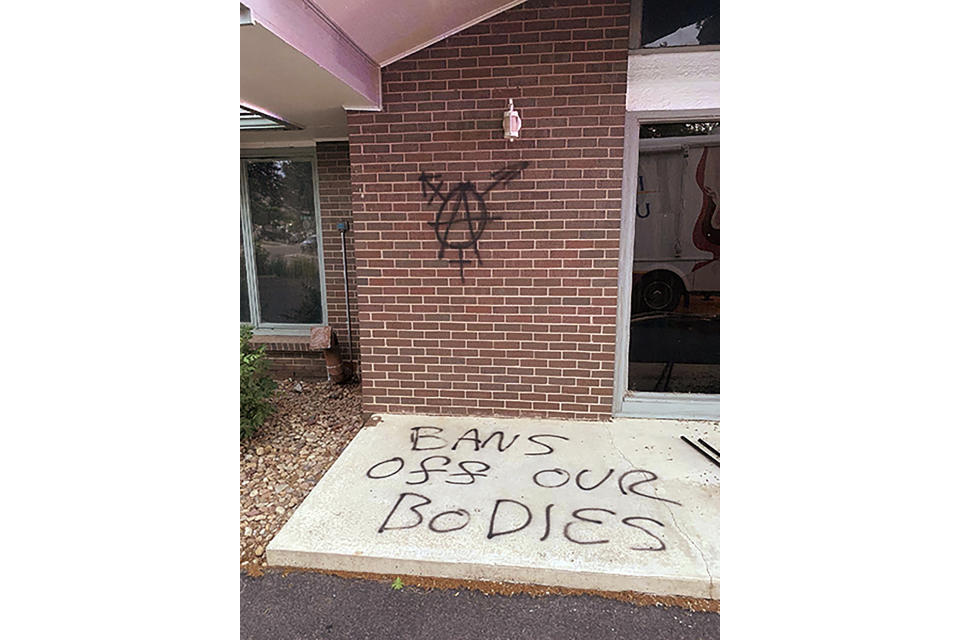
(314, 606)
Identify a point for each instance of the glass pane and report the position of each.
(675, 313)
(285, 240)
(244, 290)
(679, 23)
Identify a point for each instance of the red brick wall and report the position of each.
(333, 169)
(289, 356)
(531, 331)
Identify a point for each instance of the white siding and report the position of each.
(673, 80)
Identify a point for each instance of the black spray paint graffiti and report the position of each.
(505, 521)
(586, 525)
(463, 211)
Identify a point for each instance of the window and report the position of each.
(679, 23)
(255, 119)
(244, 286)
(281, 262)
(674, 342)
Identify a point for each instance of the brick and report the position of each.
(531, 331)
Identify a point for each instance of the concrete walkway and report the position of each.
(618, 506)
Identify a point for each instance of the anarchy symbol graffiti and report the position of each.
(462, 216)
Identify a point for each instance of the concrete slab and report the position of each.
(618, 506)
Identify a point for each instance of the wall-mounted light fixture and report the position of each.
(511, 123)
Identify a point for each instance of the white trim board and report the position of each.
(674, 406)
(646, 51)
(673, 81)
(298, 144)
(246, 17)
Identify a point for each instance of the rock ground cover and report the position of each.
(282, 463)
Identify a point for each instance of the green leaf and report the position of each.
(256, 386)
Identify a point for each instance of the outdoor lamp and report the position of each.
(511, 123)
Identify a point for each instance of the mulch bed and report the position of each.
(282, 463)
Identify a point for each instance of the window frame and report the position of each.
(246, 224)
(647, 404)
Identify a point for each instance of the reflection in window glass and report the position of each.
(675, 311)
(675, 129)
(244, 290)
(679, 23)
(283, 218)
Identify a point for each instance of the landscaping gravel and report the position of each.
(281, 464)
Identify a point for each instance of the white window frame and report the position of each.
(647, 404)
(290, 153)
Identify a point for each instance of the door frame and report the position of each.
(647, 404)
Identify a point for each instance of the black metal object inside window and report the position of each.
(679, 23)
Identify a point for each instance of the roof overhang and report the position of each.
(394, 29)
(304, 26)
(305, 61)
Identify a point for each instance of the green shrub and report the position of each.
(256, 387)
